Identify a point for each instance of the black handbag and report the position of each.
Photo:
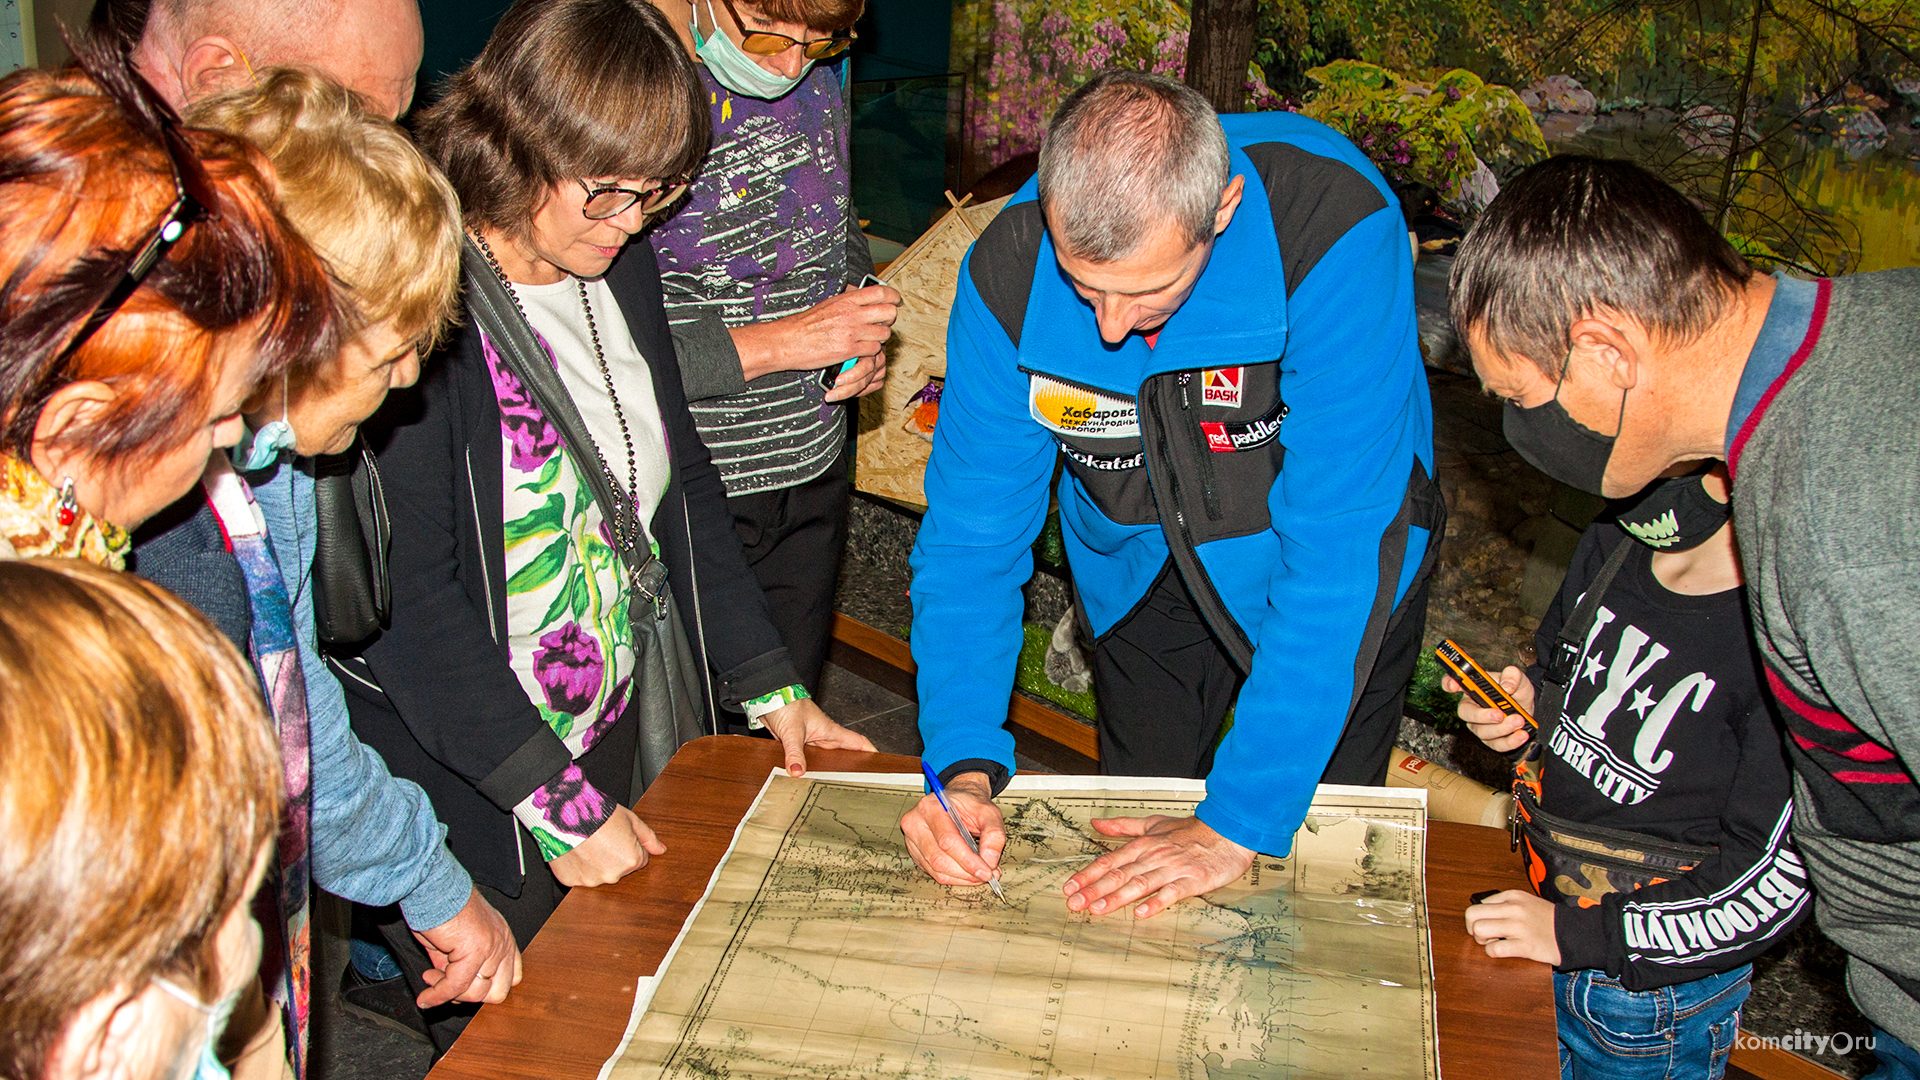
(352, 594)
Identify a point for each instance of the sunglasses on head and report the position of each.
(605, 202)
(193, 194)
(768, 43)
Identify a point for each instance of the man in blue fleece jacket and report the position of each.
(1142, 309)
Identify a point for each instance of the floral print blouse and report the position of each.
(569, 639)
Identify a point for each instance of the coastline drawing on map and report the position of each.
(821, 950)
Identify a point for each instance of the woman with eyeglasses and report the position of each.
(151, 285)
(766, 278)
(565, 572)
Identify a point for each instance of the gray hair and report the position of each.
(1573, 235)
(1125, 152)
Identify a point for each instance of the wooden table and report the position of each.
(566, 1018)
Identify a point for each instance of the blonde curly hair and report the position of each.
(354, 185)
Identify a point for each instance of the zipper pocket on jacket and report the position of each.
(480, 536)
(1186, 556)
(1209, 497)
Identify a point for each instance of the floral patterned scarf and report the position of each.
(277, 659)
(30, 522)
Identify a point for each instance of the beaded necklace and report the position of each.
(626, 517)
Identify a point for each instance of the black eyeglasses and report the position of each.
(192, 195)
(768, 43)
(605, 202)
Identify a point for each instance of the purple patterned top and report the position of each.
(763, 234)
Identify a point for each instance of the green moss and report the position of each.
(1424, 693)
(1031, 674)
(1434, 134)
(1050, 547)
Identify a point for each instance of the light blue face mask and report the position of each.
(206, 1066)
(734, 69)
(259, 449)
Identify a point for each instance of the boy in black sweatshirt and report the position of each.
(1666, 738)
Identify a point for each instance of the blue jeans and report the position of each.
(1897, 1060)
(1675, 1032)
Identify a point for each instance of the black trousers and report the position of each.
(1164, 683)
(540, 894)
(793, 538)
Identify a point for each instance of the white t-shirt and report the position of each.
(556, 314)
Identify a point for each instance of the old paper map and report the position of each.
(822, 951)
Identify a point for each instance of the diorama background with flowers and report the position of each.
(1795, 124)
(1455, 134)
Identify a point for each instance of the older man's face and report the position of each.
(1141, 290)
(372, 47)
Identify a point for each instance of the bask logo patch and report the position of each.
(1222, 386)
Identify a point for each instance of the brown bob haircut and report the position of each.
(84, 179)
(139, 782)
(1574, 235)
(823, 15)
(566, 90)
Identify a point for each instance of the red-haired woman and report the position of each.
(147, 285)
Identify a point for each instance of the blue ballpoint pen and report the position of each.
(940, 792)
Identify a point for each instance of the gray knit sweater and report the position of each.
(1827, 511)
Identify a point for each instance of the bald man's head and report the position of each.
(192, 48)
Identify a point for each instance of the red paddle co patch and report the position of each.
(1218, 440)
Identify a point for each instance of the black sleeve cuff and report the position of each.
(709, 362)
(1581, 934)
(525, 770)
(997, 774)
(758, 677)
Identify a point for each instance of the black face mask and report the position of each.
(1673, 514)
(1557, 444)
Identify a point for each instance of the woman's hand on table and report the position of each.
(803, 724)
(1515, 923)
(852, 325)
(1500, 731)
(617, 848)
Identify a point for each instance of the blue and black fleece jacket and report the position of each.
(1275, 443)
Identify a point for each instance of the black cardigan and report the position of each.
(434, 693)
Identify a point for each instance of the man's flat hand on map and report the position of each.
(803, 724)
(940, 849)
(1169, 859)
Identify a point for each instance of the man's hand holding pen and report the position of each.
(940, 849)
